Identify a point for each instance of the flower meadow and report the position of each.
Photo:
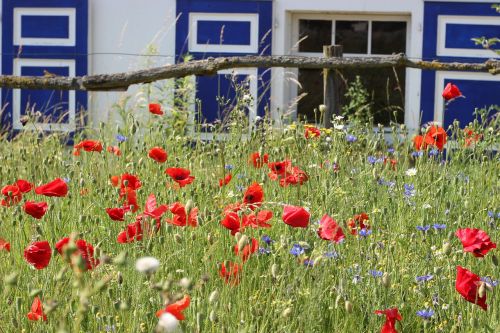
(300, 229)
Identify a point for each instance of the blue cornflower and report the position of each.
(423, 228)
(417, 154)
(351, 138)
(490, 281)
(433, 152)
(424, 278)
(492, 214)
(266, 239)
(240, 188)
(331, 254)
(120, 138)
(438, 226)
(66, 179)
(375, 273)
(390, 150)
(297, 250)
(371, 159)
(229, 167)
(309, 263)
(382, 181)
(426, 314)
(364, 232)
(409, 190)
(264, 250)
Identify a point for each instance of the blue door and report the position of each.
(222, 28)
(44, 38)
(448, 29)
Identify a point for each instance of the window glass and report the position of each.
(318, 33)
(388, 37)
(352, 35)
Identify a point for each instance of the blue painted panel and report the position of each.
(478, 94)
(52, 104)
(460, 35)
(37, 26)
(223, 33)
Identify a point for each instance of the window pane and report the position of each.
(386, 89)
(388, 37)
(352, 35)
(312, 84)
(318, 33)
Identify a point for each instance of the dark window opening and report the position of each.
(314, 34)
(352, 35)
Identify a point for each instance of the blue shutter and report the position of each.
(219, 28)
(44, 38)
(448, 29)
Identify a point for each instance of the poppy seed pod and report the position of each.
(494, 259)
(386, 280)
(213, 316)
(274, 271)
(348, 306)
(178, 238)
(214, 296)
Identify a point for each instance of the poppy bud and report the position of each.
(189, 206)
(214, 296)
(348, 306)
(210, 239)
(178, 238)
(437, 270)
(242, 242)
(193, 236)
(274, 271)
(322, 108)
(386, 280)
(482, 290)
(447, 248)
(287, 312)
(494, 258)
(119, 278)
(11, 279)
(212, 316)
(185, 283)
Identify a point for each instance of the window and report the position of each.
(359, 36)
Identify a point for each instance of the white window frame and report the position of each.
(296, 17)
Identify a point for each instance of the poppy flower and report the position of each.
(279, 168)
(225, 181)
(84, 249)
(176, 308)
(259, 220)
(89, 145)
(471, 137)
(232, 222)
(295, 216)
(35, 209)
(56, 188)
(130, 197)
(115, 150)
(391, 315)
(36, 312)
(115, 180)
(117, 214)
(436, 136)
(330, 230)
(311, 132)
(24, 185)
(12, 195)
(4, 245)
(357, 223)
(151, 210)
(38, 254)
(234, 207)
(467, 285)
(181, 217)
(295, 177)
(451, 91)
(418, 142)
(158, 154)
(247, 250)
(130, 181)
(132, 233)
(180, 176)
(155, 108)
(230, 272)
(258, 161)
(475, 241)
(254, 195)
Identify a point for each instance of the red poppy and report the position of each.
(155, 108)
(391, 315)
(436, 136)
(56, 188)
(418, 142)
(475, 241)
(258, 161)
(130, 181)
(180, 176)
(451, 91)
(234, 207)
(471, 137)
(357, 223)
(24, 185)
(295, 216)
(89, 145)
(467, 284)
(84, 249)
(254, 195)
(36, 312)
(312, 132)
(330, 230)
(225, 181)
(132, 233)
(176, 308)
(393, 162)
(155, 212)
(158, 154)
(295, 177)
(114, 180)
(129, 198)
(259, 220)
(12, 195)
(35, 209)
(247, 250)
(38, 254)
(115, 150)
(279, 168)
(181, 217)
(4, 245)
(232, 222)
(231, 273)
(117, 214)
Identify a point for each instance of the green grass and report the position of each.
(277, 293)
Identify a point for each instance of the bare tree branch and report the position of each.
(210, 66)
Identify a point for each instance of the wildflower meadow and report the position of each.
(139, 227)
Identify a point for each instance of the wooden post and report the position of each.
(331, 86)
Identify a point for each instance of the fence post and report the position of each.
(331, 86)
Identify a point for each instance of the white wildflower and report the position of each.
(411, 172)
(147, 265)
(168, 323)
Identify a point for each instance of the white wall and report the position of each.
(283, 89)
(126, 26)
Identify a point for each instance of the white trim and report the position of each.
(19, 63)
(443, 20)
(253, 19)
(69, 12)
(441, 76)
